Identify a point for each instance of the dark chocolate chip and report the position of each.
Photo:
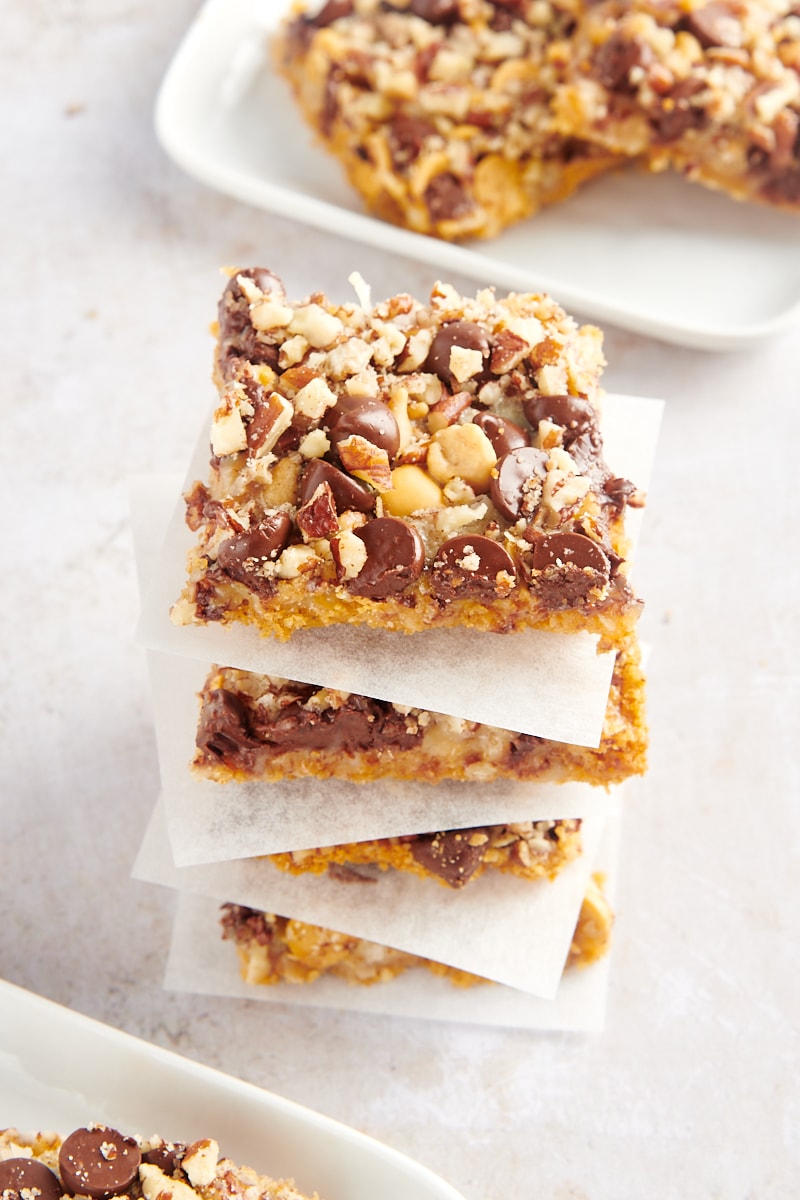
(98, 1162)
(569, 566)
(516, 488)
(619, 491)
(613, 62)
(166, 1157)
(451, 856)
(234, 309)
(435, 12)
(569, 549)
(456, 333)
(28, 1179)
(675, 114)
(332, 11)
(367, 417)
(446, 199)
(502, 433)
(406, 137)
(715, 25)
(469, 566)
(395, 558)
(241, 556)
(573, 413)
(348, 493)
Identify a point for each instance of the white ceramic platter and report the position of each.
(649, 253)
(60, 1070)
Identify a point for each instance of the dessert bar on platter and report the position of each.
(407, 466)
(457, 118)
(100, 1162)
(441, 113)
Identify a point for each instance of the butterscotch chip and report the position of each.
(477, 418)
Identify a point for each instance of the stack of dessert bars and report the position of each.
(393, 643)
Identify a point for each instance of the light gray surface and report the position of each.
(109, 279)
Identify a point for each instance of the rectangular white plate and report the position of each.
(60, 1070)
(650, 253)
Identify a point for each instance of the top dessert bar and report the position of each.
(99, 1162)
(711, 89)
(406, 466)
(457, 118)
(439, 111)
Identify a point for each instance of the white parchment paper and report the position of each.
(512, 930)
(199, 961)
(552, 685)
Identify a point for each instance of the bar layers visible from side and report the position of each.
(274, 949)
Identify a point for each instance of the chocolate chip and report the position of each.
(446, 199)
(98, 1162)
(613, 62)
(28, 1179)
(570, 565)
(674, 114)
(348, 493)
(234, 308)
(406, 137)
(464, 334)
(502, 433)
(619, 491)
(474, 566)
(568, 548)
(367, 417)
(243, 554)
(238, 339)
(395, 558)
(516, 487)
(332, 11)
(715, 25)
(166, 1157)
(435, 12)
(451, 856)
(573, 413)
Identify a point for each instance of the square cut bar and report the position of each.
(274, 949)
(439, 111)
(257, 727)
(405, 466)
(99, 1161)
(711, 89)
